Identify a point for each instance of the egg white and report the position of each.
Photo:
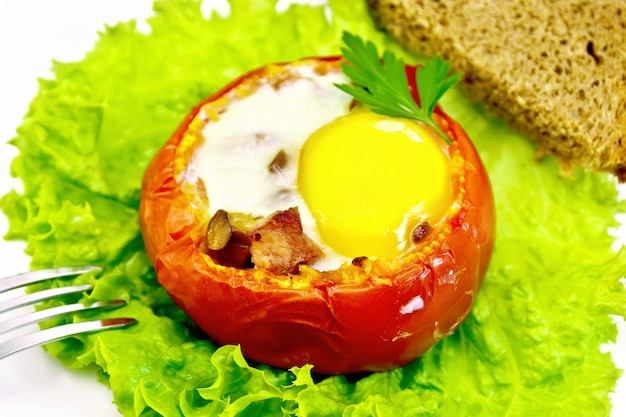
(238, 148)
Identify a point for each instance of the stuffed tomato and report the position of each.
(285, 217)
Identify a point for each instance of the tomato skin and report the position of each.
(389, 317)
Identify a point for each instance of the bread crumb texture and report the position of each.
(554, 69)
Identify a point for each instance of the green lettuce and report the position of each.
(531, 345)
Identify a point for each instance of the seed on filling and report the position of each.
(358, 261)
(279, 162)
(420, 232)
(218, 231)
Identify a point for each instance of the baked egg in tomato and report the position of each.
(287, 218)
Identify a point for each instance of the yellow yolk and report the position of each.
(368, 180)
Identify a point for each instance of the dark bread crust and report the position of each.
(554, 69)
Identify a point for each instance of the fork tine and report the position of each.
(38, 296)
(60, 332)
(37, 316)
(25, 278)
(18, 343)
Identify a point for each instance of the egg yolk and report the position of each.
(369, 179)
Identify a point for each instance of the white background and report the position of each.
(32, 33)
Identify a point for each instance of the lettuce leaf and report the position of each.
(529, 347)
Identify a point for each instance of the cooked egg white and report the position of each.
(361, 181)
(234, 158)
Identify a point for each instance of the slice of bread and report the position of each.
(554, 69)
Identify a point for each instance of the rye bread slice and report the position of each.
(555, 70)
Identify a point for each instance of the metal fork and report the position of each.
(39, 337)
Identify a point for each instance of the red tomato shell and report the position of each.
(371, 317)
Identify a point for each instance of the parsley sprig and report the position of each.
(383, 85)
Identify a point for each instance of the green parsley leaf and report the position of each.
(383, 84)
